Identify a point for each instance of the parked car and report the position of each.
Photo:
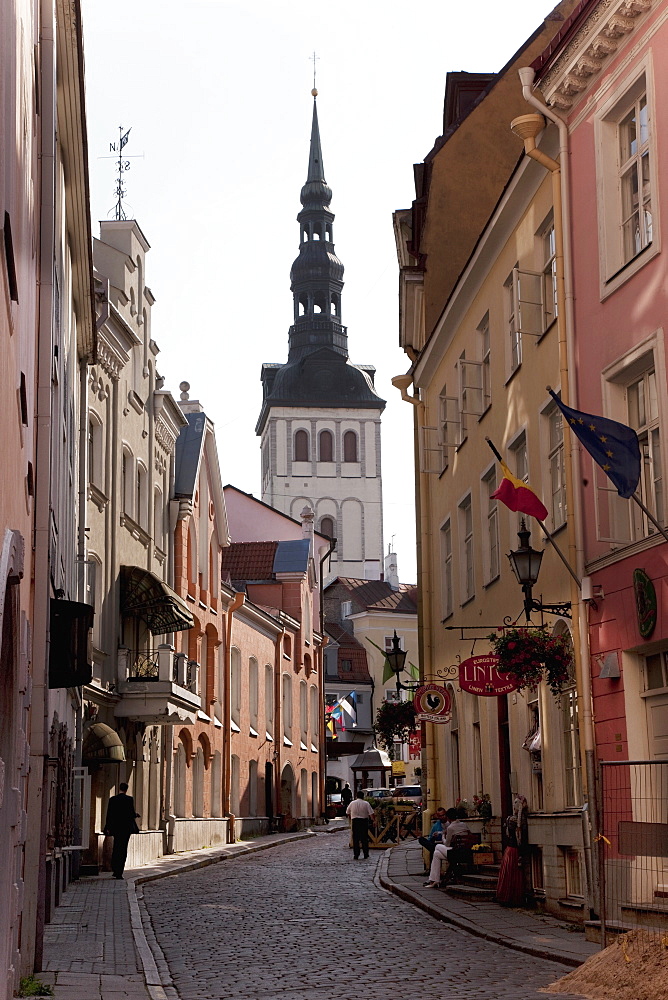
(408, 793)
(378, 793)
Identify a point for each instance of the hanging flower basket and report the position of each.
(533, 655)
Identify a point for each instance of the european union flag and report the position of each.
(612, 445)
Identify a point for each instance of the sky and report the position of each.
(217, 94)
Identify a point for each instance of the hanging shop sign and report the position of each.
(479, 675)
(432, 703)
(414, 746)
(645, 602)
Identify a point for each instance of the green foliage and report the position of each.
(32, 987)
(395, 720)
(531, 654)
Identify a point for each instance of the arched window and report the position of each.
(216, 784)
(234, 785)
(301, 446)
(141, 513)
(126, 481)
(253, 693)
(315, 714)
(95, 448)
(303, 711)
(327, 527)
(287, 706)
(198, 783)
(350, 446)
(158, 525)
(252, 788)
(326, 446)
(235, 686)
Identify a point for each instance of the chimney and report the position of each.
(391, 570)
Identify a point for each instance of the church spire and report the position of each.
(316, 278)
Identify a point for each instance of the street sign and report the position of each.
(479, 675)
(432, 703)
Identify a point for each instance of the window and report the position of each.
(485, 361)
(555, 440)
(346, 666)
(573, 872)
(514, 337)
(490, 526)
(477, 749)
(346, 609)
(350, 446)
(269, 699)
(466, 543)
(253, 693)
(327, 527)
(301, 446)
(454, 748)
(315, 714)
(326, 446)
(520, 462)
(141, 512)
(303, 710)
(95, 451)
(635, 179)
(389, 642)
(446, 560)
(570, 737)
(643, 416)
(549, 281)
(287, 707)
(158, 527)
(533, 744)
(656, 671)
(626, 164)
(126, 479)
(235, 687)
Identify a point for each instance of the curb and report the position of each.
(467, 925)
(156, 973)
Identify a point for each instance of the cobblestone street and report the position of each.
(306, 922)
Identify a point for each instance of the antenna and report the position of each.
(123, 164)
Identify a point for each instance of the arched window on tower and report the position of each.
(328, 234)
(303, 305)
(316, 233)
(301, 446)
(327, 526)
(326, 446)
(304, 235)
(350, 446)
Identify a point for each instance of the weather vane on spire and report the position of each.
(123, 164)
(314, 92)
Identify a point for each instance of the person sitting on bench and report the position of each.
(455, 829)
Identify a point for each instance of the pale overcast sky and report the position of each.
(217, 94)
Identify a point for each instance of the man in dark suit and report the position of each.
(120, 825)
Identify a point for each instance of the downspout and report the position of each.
(425, 640)
(566, 327)
(237, 603)
(323, 726)
(33, 914)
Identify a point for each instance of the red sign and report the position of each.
(479, 675)
(414, 746)
(432, 703)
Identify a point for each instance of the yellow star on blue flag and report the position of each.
(612, 445)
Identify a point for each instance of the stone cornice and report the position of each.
(168, 420)
(586, 54)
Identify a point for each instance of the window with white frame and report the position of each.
(485, 362)
(466, 545)
(555, 453)
(490, 526)
(253, 693)
(626, 165)
(287, 707)
(269, 699)
(549, 275)
(446, 563)
(235, 686)
(513, 335)
(634, 399)
(520, 462)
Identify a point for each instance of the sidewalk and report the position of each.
(401, 871)
(98, 948)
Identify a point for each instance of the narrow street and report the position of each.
(304, 921)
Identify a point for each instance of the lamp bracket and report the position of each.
(562, 610)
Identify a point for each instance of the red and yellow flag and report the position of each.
(518, 495)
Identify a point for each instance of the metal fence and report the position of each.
(633, 855)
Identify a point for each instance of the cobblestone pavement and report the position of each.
(306, 922)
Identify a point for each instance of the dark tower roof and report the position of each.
(318, 372)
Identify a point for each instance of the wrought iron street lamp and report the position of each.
(396, 657)
(525, 563)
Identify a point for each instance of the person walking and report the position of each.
(360, 813)
(346, 795)
(120, 824)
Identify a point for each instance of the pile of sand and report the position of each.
(635, 967)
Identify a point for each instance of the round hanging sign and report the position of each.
(645, 602)
(432, 703)
(479, 675)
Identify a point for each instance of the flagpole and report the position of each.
(649, 515)
(544, 529)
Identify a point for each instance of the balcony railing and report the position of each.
(162, 664)
(159, 686)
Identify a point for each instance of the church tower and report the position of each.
(320, 418)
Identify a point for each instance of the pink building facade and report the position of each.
(607, 77)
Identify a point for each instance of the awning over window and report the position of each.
(145, 596)
(102, 743)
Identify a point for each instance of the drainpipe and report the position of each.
(425, 639)
(528, 127)
(237, 603)
(278, 717)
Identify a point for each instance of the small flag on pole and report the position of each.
(125, 138)
(518, 495)
(612, 445)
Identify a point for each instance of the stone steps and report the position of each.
(474, 892)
